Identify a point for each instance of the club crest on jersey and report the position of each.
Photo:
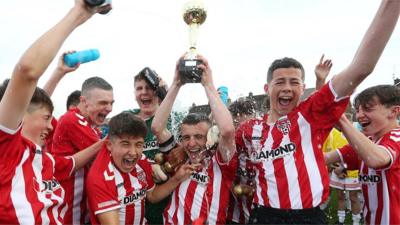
(46, 186)
(201, 178)
(369, 178)
(141, 176)
(273, 154)
(283, 125)
(136, 196)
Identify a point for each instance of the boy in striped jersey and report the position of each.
(120, 179)
(375, 152)
(205, 196)
(286, 145)
(31, 192)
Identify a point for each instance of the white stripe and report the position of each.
(172, 208)
(60, 200)
(310, 161)
(292, 178)
(269, 170)
(385, 200)
(372, 197)
(121, 193)
(180, 209)
(217, 182)
(197, 200)
(19, 199)
(37, 165)
(138, 205)
(78, 194)
(107, 209)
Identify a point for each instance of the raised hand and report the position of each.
(323, 68)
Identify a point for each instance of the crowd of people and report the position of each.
(229, 167)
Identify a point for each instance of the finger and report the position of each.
(322, 58)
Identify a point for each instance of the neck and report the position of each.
(146, 114)
(84, 113)
(273, 116)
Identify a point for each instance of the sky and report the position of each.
(240, 38)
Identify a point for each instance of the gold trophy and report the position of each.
(194, 15)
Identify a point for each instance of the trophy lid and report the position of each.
(194, 12)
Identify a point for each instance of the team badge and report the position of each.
(283, 125)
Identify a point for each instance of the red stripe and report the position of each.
(260, 167)
(302, 174)
(188, 202)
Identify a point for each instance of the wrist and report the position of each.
(79, 15)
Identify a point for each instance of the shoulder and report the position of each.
(101, 163)
(72, 117)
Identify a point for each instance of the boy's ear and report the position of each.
(395, 111)
(108, 144)
(266, 88)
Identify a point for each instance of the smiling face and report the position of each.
(125, 151)
(146, 97)
(376, 119)
(284, 90)
(194, 138)
(97, 104)
(37, 125)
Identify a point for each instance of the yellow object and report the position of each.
(336, 140)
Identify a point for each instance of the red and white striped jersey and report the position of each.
(381, 186)
(239, 208)
(204, 195)
(29, 184)
(73, 134)
(110, 189)
(287, 155)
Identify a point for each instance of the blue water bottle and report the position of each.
(81, 57)
(223, 94)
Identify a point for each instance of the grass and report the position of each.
(331, 211)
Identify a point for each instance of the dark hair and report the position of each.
(242, 107)
(388, 95)
(39, 98)
(284, 63)
(195, 118)
(95, 82)
(127, 124)
(73, 98)
(138, 77)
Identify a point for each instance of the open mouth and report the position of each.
(285, 101)
(146, 102)
(364, 124)
(129, 162)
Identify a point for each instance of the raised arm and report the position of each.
(371, 153)
(58, 74)
(35, 61)
(220, 113)
(322, 70)
(370, 49)
(86, 155)
(159, 124)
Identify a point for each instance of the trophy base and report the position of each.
(188, 71)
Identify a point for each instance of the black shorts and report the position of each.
(266, 215)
